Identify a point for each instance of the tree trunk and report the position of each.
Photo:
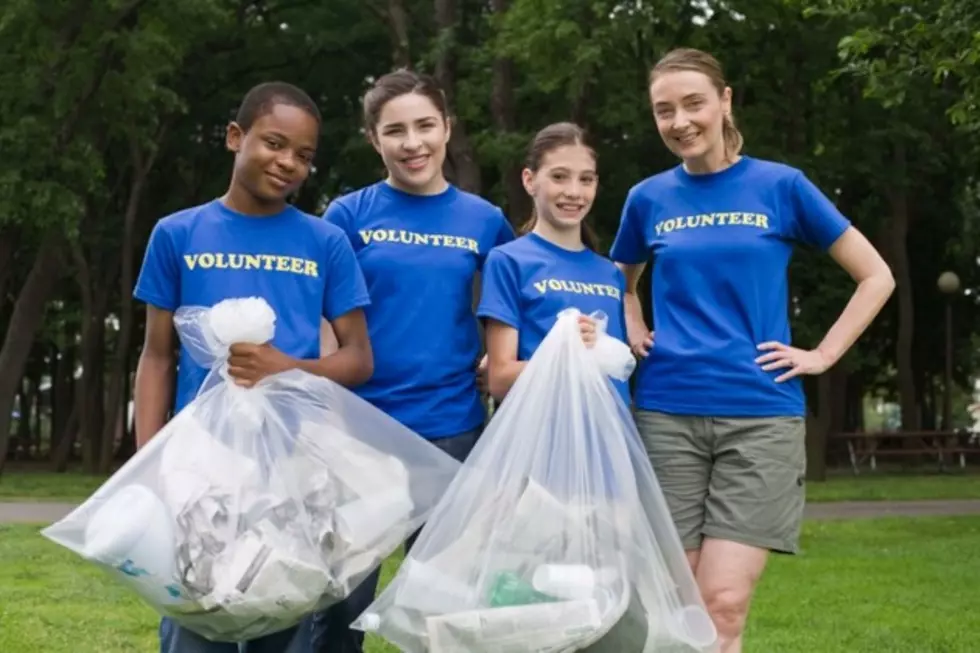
(518, 203)
(898, 228)
(24, 322)
(61, 455)
(8, 247)
(62, 393)
(461, 165)
(398, 26)
(818, 425)
(90, 398)
(120, 373)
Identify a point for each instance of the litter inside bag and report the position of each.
(254, 507)
(554, 536)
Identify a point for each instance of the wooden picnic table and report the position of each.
(868, 446)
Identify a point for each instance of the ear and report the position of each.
(527, 178)
(234, 136)
(373, 140)
(726, 100)
(449, 129)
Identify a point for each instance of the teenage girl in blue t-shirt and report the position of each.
(421, 243)
(719, 398)
(529, 281)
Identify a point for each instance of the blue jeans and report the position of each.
(175, 639)
(330, 629)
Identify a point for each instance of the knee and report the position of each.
(729, 608)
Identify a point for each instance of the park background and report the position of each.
(112, 114)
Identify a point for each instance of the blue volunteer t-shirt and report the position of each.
(528, 282)
(420, 255)
(303, 266)
(721, 244)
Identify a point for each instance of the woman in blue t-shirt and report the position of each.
(527, 282)
(718, 397)
(420, 242)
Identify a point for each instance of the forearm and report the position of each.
(503, 376)
(350, 365)
(864, 305)
(152, 396)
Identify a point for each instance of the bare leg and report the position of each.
(727, 573)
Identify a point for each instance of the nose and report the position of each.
(681, 120)
(412, 141)
(287, 161)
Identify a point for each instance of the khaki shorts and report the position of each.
(738, 479)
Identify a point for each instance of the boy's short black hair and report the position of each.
(262, 98)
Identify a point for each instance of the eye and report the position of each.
(559, 176)
(273, 144)
(588, 180)
(665, 113)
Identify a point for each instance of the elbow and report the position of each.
(885, 282)
(365, 367)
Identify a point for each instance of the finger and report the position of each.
(771, 356)
(772, 345)
(786, 362)
(238, 372)
(796, 371)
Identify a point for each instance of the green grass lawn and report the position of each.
(889, 585)
(43, 486)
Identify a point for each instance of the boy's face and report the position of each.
(274, 157)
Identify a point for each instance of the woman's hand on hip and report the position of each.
(799, 361)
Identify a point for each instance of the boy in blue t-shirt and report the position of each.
(250, 242)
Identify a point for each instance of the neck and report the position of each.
(568, 238)
(240, 200)
(714, 160)
(435, 186)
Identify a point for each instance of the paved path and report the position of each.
(871, 509)
(46, 513)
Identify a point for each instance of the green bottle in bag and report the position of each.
(510, 589)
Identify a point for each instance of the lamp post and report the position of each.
(949, 285)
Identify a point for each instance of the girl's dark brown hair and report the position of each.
(698, 61)
(396, 84)
(549, 139)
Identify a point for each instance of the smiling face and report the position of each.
(563, 186)
(411, 136)
(690, 113)
(273, 158)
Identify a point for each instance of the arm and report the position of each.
(503, 366)
(353, 362)
(153, 392)
(638, 334)
(875, 283)
(350, 365)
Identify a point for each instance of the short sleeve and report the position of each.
(158, 283)
(500, 297)
(339, 215)
(630, 246)
(501, 233)
(815, 220)
(345, 289)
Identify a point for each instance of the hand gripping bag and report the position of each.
(555, 535)
(254, 507)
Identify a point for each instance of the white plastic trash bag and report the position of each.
(254, 507)
(555, 536)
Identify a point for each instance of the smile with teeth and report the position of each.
(566, 207)
(687, 139)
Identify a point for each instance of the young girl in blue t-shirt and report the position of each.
(719, 401)
(527, 282)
